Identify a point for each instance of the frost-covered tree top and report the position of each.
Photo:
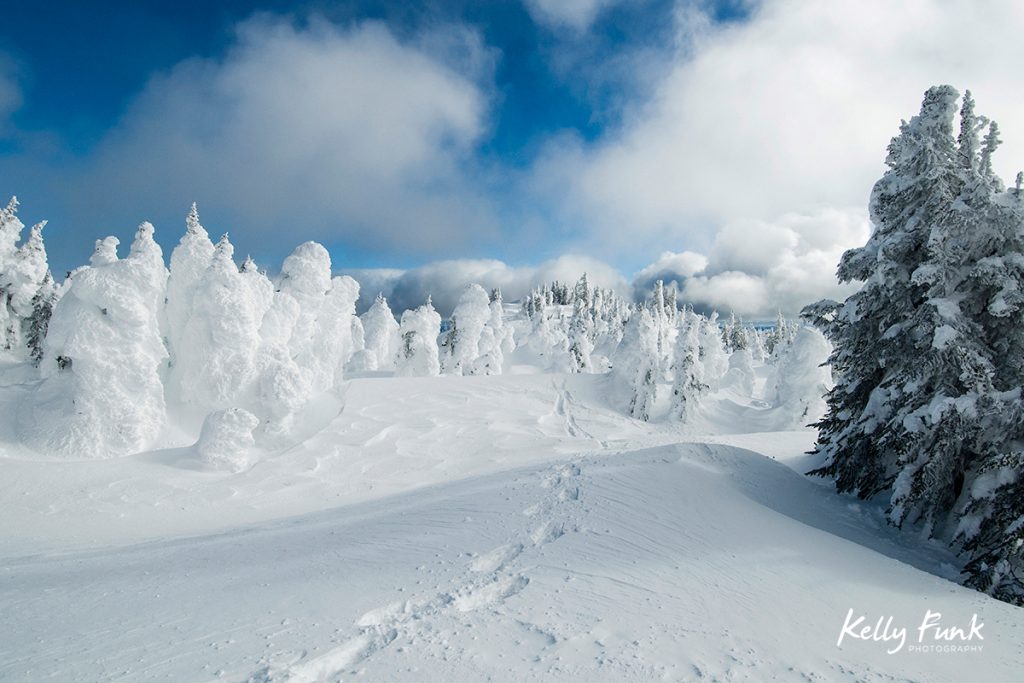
(306, 273)
(105, 251)
(248, 266)
(10, 229)
(189, 261)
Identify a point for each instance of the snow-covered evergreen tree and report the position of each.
(549, 340)
(755, 342)
(687, 370)
(10, 232)
(734, 335)
(740, 376)
(339, 334)
(283, 386)
(461, 344)
(875, 351)
(713, 355)
(189, 262)
(636, 363)
(261, 289)
(306, 277)
(496, 339)
(219, 363)
(926, 409)
(580, 336)
(381, 335)
(23, 270)
(39, 322)
(503, 332)
(778, 338)
(101, 394)
(582, 292)
(800, 379)
(418, 354)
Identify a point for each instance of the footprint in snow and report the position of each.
(497, 558)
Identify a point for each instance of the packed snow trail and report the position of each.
(687, 562)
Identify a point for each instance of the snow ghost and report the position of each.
(418, 353)
(101, 394)
(380, 335)
(800, 380)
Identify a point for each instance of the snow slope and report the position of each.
(512, 528)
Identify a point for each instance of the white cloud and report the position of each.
(313, 132)
(670, 266)
(575, 14)
(786, 113)
(445, 280)
(756, 268)
(752, 270)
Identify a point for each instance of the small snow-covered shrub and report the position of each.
(225, 441)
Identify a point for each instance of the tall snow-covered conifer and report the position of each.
(927, 407)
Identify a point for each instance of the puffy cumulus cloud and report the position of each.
(312, 131)
(444, 281)
(574, 14)
(756, 268)
(788, 111)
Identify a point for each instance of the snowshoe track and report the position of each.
(491, 578)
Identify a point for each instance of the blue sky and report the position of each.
(729, 146)
(80, 68)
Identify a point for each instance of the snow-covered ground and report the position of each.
(513, 527)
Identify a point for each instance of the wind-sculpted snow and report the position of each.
(680, 562)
